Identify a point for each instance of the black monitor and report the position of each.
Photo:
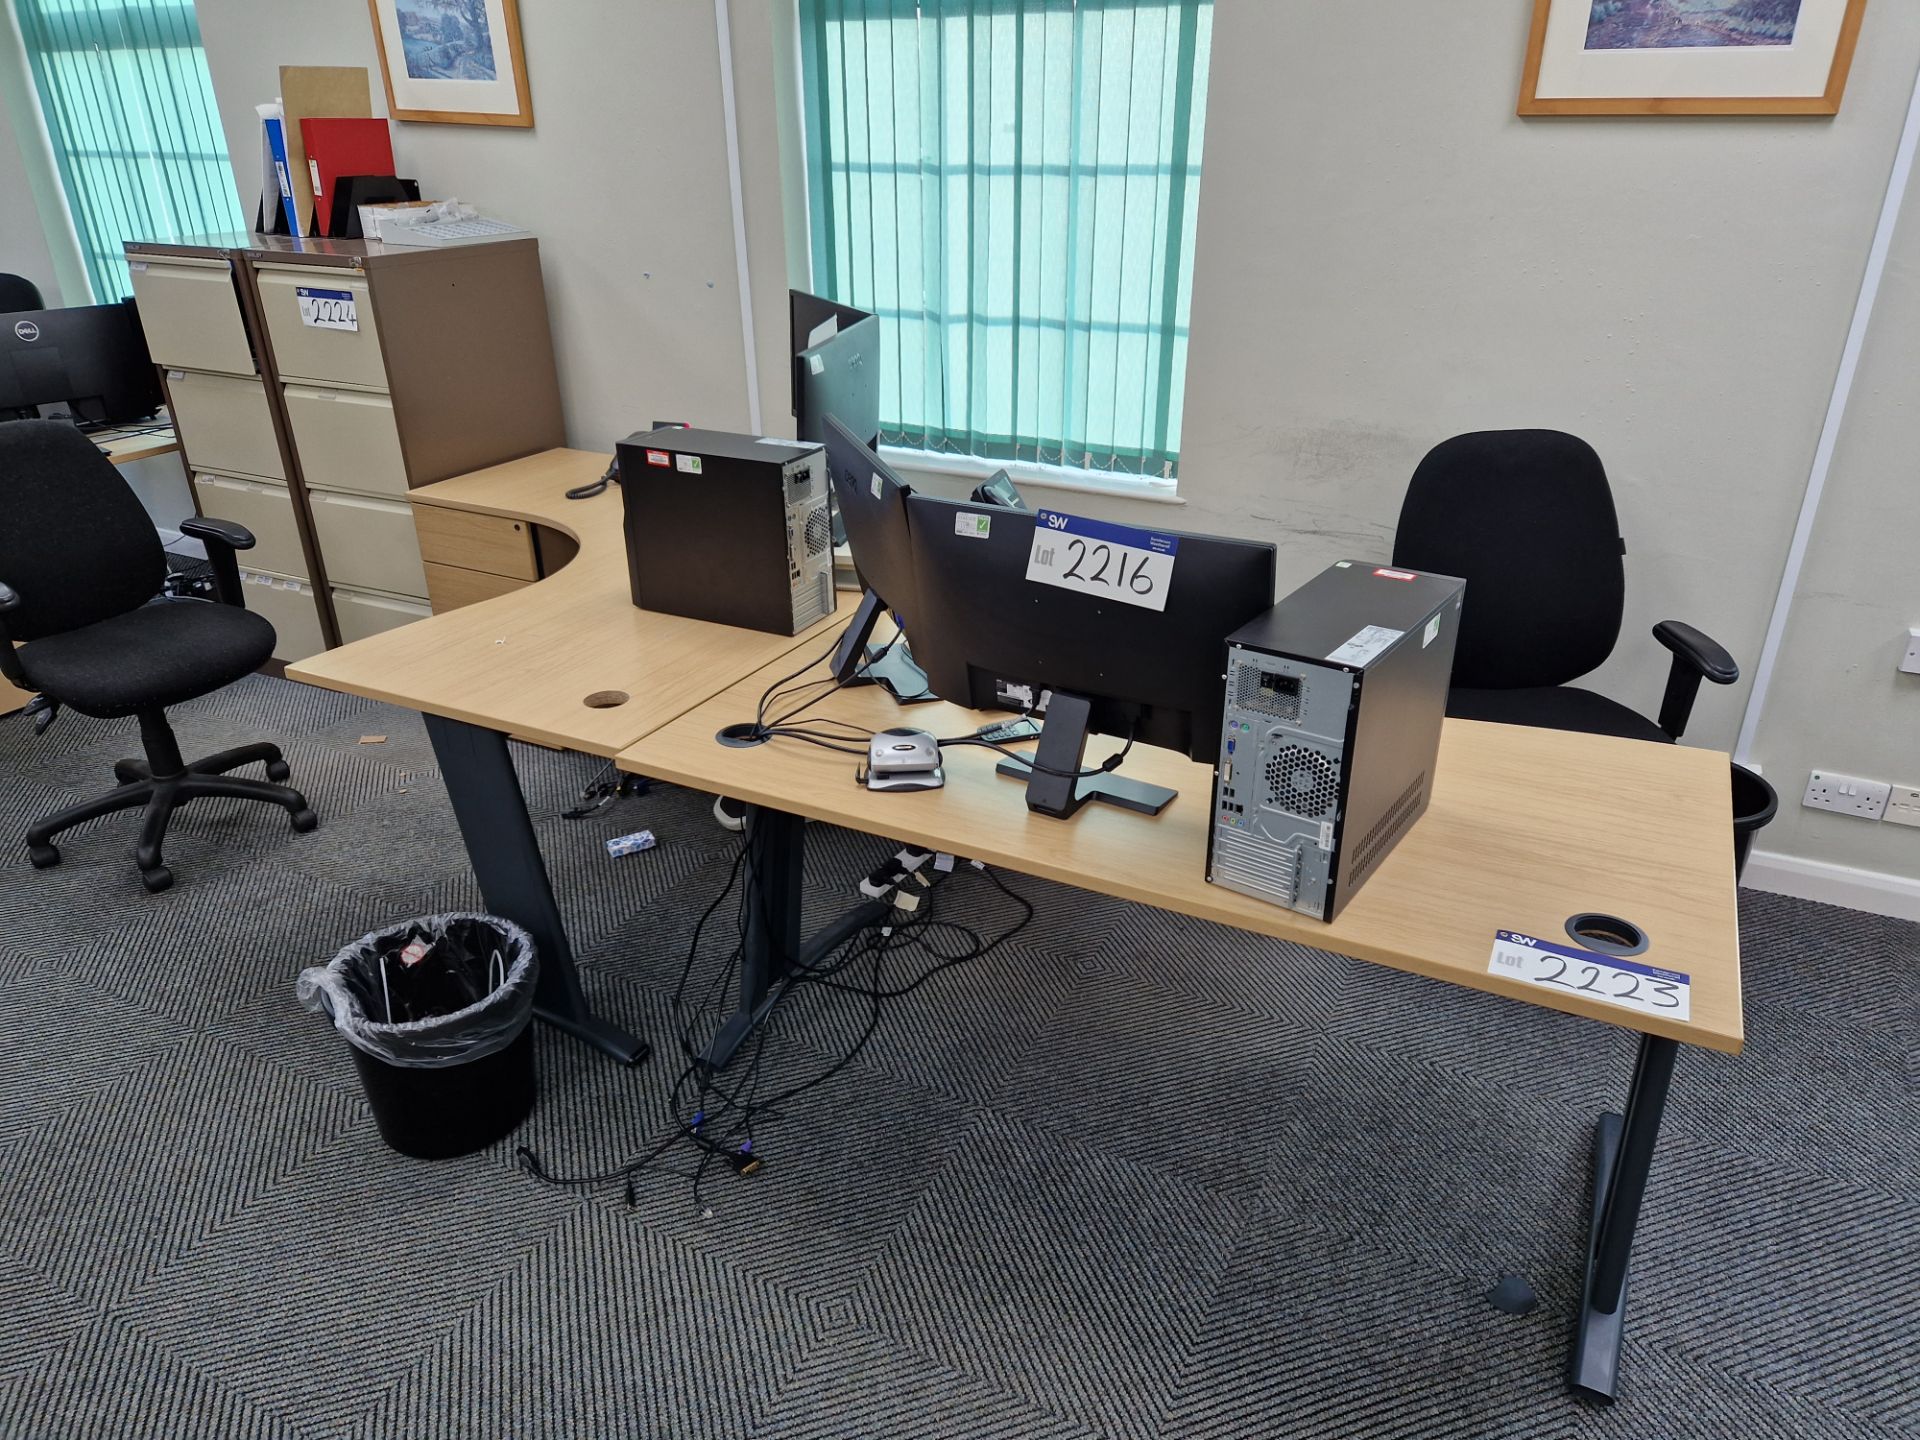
(91, 358)
(981, 629)
(873, 503)
(836, 367)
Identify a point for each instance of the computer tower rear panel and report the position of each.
(729, 528)
(1334, 700)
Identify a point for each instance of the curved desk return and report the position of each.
(568, 661)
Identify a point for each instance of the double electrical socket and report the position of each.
(1863, 799)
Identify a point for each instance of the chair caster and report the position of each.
(305, 820)
(44, 857)
(278, 771)
(157, 879)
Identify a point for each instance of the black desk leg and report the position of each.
(513, 879)
(775, 870)
(1622, 1155)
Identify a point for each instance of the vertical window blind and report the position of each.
(1011, 185)
(136, 135)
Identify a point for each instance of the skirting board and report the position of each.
(1869, 890)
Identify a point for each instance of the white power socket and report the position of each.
(1846, 795)
(1910, 662)
(1903, 808)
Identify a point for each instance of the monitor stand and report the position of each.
(892, 667)
(1063, 747)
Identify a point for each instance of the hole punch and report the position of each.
(606, 699)
(1607, 934)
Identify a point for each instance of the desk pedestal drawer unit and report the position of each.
(470, 556)
(354, 372)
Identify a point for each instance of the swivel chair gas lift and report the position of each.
(80, 565)
(1526, 518)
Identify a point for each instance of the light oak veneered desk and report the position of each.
(568, 661)
(1526, 829)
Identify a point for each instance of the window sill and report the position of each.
(973, 469)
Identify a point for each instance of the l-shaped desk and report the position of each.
(1526, 828)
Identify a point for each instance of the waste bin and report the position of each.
(438, 1012)
(1754, 804)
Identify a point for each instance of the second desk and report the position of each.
(567, 661)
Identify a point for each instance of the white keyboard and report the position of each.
(452, 232)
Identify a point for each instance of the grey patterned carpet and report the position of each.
(1129, 1176)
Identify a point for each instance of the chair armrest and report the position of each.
(10, 662)
(222, 538)
(1696, 657)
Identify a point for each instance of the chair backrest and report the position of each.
(19, 293)
(1526, 518)
(75, 541)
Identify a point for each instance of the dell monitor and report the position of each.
(91, 358)
(873, 503)
(984, 632)
(836, 368)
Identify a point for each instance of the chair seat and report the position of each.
(159, 654)
(1555, 707)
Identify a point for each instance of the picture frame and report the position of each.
(453, 62)
(1689, 57)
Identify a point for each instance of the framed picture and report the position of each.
(458, 62)
(1689, 57)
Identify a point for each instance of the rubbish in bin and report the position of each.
(438, 1012)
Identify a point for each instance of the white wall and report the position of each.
(623, 177)
(1388, 256)
(1838, 701)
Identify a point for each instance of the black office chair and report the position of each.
(19, 293)
(1526, 518)
(79, 563)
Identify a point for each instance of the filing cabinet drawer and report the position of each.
(449, 587)
(346, 440)
(191, 314)
(359, 614)
(293, 609)
(368, 544)
(312, 352)
(472, 541)
(264, 508)
(224, 423)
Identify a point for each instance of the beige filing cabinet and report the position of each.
(326, 380)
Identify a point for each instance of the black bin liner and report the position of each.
(438, 1011)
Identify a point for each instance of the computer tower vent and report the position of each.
(819, 531)
(1275, 695)
(1302, 781)
(1388, 826)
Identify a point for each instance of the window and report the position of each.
(136, 135)
(1011, 185)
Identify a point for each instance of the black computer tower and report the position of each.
(1334, 699)
(728, 528)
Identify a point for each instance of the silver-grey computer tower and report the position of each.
(1333, 708)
